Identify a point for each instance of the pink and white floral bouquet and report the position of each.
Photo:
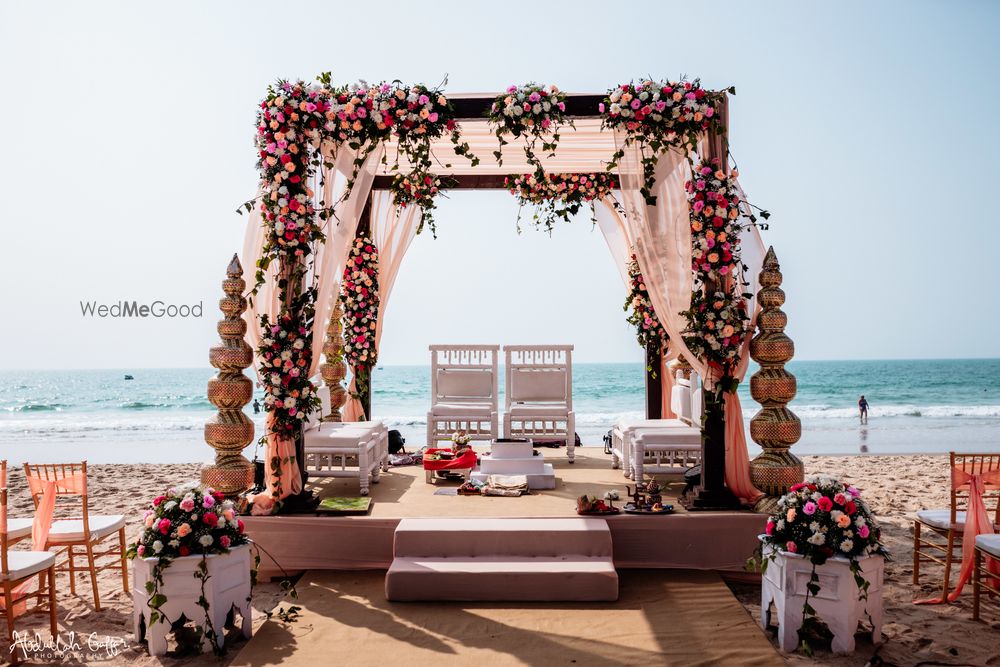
(187, 521)
(284, 357)
(717, 327)
(534, 111)
(359, 296)
(716, 221)
(559, 196)
(821, 518)
(418, 188)
(648, 329)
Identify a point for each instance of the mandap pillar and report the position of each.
(775, 428)
(230, 430)
(334, 368)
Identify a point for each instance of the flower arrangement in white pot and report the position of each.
(192, 559)
(823, 549)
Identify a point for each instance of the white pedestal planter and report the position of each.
(228, 586)
(836, 604)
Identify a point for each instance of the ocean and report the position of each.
(926, 406)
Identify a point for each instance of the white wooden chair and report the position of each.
(686, 403)
(539, 394)
(345, 449)
(464, 392)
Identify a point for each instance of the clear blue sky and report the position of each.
(866, 128)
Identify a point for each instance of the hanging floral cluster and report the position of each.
(359, 296)
(648, 329)
(718, 320)
(284, 357)
(423, 115)
(656, 116)
(535, 112)
(716, 221)
(558, 196)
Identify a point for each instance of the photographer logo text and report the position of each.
(157, 308)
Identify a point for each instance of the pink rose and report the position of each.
(863, 531)
(791, 548)
(825, 504)
(187, 504)
(210, 518)
(157, 500)
(164, 526)
(225, 541)
(769, 529)
(840, 499)
(809, 508)
(141, 550)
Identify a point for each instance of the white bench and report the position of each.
(665, 451)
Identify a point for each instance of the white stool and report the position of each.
(228, 587)
(836, 604)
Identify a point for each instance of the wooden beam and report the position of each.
(477, 107)
(460, 182)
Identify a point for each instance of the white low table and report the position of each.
(516, 457)
(836, 604)
(228, 587)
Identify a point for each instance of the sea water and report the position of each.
(927, 406)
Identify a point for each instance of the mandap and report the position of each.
(349, 175)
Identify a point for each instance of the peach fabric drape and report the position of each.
(667, 383)
(661, 236)
(977, 522)
(393, 230)
(612, 227)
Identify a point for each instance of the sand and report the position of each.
(893, 485)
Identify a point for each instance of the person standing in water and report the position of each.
(863, 409)
(256, 407)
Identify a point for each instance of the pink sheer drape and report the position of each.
(393, 230)
(661, 236)
(977, 522)
(328, 263)
(612, 227)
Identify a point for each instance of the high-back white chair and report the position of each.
(539, 393)
(464, 392)
(686, 398)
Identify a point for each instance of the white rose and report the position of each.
(205, 540)
(157, 546)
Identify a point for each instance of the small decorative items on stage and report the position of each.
(823, 538)
(229, 431)
(647, 499)
(775, 428)
(190, 534)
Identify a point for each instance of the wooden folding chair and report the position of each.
(87, 530)
(987, 553)
(948, 524)
(17, 529)
(18, 568)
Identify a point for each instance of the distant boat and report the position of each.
(129, 377)
(378, 368)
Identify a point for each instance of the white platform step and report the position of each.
(502, 560)
(546, 479)
(530, 465)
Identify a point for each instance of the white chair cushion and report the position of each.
(537, 385)
(550, 410)
(18, 528)
(465, 383)
(462, 410)
(941, 519)
(989, 543)
(71, 530)
(335, 438)
(26, 563)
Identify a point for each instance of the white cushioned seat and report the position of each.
(989, 543)
(19, 528)
(462, 409)
(26, 563)
(71, 530)
(941, 518)
(540, 410)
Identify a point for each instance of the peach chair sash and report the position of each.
(49, 489)
(977, 522)
(283, 449)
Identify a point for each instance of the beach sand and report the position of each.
(893, 485)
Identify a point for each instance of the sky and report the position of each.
(866, 129)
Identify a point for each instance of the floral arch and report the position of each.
(360, 161)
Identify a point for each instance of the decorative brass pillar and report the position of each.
(229, 431)
(334, 368)
(775, 428)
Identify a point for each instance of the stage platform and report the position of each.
(683, 540)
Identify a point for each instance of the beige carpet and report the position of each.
(662, 618)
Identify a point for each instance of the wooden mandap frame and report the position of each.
(472, 110)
